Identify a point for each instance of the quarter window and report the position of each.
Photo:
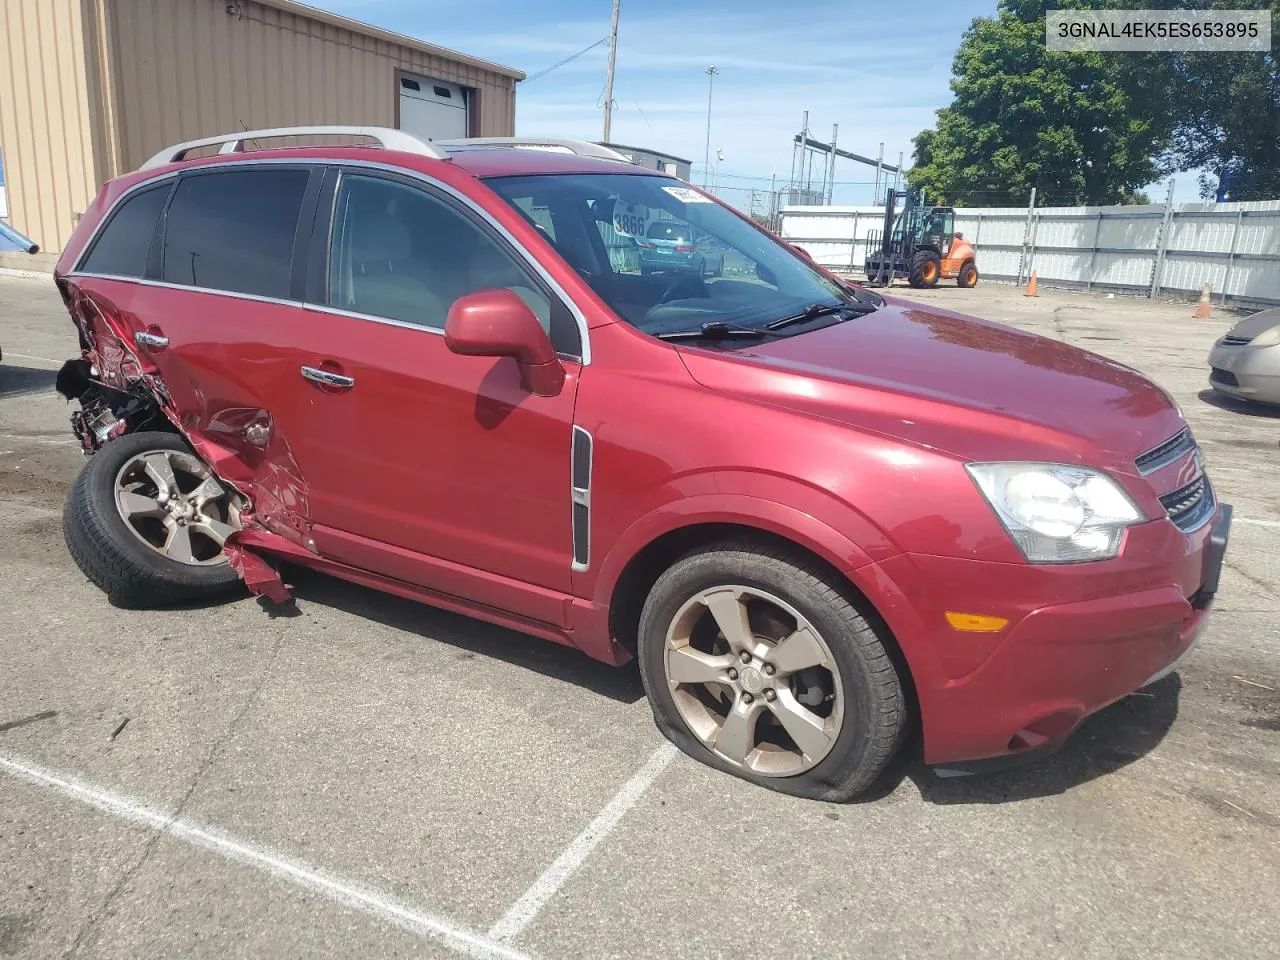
(404, 254)
(234, 230)
(121, 248)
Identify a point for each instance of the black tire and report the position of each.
(875, 719)
(968, 275)
(131, 574)
(926, 268)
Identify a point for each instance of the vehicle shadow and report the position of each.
(15, 380)
(1109, 740)
(1249, 409)
(473, 636)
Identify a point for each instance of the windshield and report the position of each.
(720, 270)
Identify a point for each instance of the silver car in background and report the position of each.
(1246, 362)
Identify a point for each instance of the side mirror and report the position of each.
(497, 323)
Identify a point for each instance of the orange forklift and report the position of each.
(919, 245)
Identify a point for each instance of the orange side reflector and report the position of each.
(975, 622)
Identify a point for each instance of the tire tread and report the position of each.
(891, 719)
(129, 576)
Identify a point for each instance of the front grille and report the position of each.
(1224, 377)
(1233, 341)
(1177, 446)
(1191, 506)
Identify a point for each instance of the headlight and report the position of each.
(1267, 338)
(1057, 513)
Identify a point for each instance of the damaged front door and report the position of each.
(422, 464)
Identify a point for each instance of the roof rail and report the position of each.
(386, 138)
(581, 148)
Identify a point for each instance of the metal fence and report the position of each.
(1147, 250)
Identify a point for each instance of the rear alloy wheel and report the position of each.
(756, 663)
(147, 520)
(968, 275)
(172, 502)
(926, 267)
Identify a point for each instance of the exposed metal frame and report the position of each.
(580, 148)
(385, 137)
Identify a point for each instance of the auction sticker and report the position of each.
(630, 219)
(687, 195)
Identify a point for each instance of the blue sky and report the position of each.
(873, 68)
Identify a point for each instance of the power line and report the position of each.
(556, 66)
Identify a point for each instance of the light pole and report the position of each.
(706, 156)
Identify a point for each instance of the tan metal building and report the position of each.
(89, 89)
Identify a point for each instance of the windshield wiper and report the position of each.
(816, 310)
(716, 330)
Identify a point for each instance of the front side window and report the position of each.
(121, 248)
(666, 258)
(401, 253)
(233, 230)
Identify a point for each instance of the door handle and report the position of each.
(328, 379)
(144, 339)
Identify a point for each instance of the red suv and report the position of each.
(820, 518)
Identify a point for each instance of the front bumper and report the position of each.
(1245, 372)
(1073, 644)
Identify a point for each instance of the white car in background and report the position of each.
(1245, 363)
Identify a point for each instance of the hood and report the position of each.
(974, 388)
(1257, 324)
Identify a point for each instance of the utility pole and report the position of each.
(773, 200)
(829, 185)
(608, 80)
(879, 166)
(706, 156)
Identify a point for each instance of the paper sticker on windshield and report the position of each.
(630, 219)
(687, 195)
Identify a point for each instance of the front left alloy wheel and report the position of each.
(757, 662)
(146, 520)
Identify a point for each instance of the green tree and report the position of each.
(1223, 109)
(1025, 116)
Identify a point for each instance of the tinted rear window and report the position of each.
(121, 248)
(667, 230)
(234, 230)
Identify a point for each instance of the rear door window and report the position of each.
(234, 230)
(121, 248)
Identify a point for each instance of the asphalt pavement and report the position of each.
(370, 777)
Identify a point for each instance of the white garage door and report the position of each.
(433, 108)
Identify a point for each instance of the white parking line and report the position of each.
(309, 878)
(27, 356)
(47, 441)
(1275, 524)
(522, 912)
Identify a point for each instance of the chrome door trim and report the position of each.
(327, 378)
(581, 468)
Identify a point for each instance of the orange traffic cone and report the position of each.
(1031, 286)
(1204, 309)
